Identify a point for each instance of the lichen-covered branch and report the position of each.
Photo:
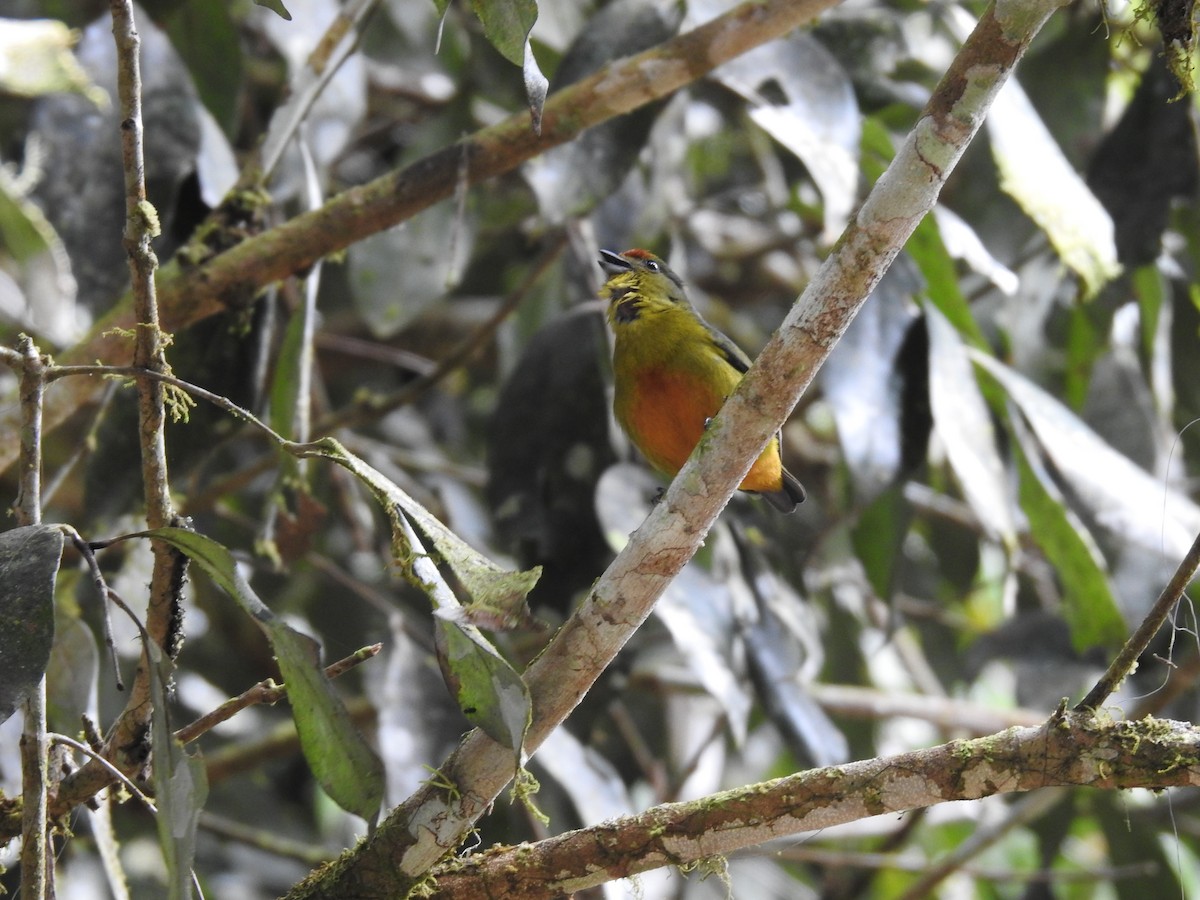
(1069, 749)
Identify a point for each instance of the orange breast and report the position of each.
(665, 412)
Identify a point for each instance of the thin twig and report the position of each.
(1124, 662)
(27, 508)
(37, 879)
(268, 840)
(267, 693)
(116, 773)
(163, 612)
(89, 558)
(166, 378)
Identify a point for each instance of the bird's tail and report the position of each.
(789, 496)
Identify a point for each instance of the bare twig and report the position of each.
(268, 839)
(116, 773)
(265, 693)
(102, 589)
(945, 713)
(1123, 664)
(27, 508)
(37, 877)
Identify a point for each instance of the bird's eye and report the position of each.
(653, 265)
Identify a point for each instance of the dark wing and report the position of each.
(729, 350)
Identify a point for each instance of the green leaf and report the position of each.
(929, 252)
(180, 783)
(1089, 607)
(29, 560)
(506, 25)
(1152, 291)
(490, 692)
(1129, 503)
(1083, 346)
(345, 765)
(878, 535)
(964, 424)
(277, 7)
(24, 231)
(876, 151)
(1034, 172)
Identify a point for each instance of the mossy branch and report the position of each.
(1071, 748)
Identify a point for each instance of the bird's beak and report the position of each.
(613, 263)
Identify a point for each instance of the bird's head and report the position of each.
(638, 282)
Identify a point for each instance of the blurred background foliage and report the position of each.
(996, 455)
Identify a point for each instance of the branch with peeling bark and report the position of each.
(1069, 749)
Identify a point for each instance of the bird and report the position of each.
(672, 371)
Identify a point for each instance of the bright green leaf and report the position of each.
(1152, 290)
(491, 694)
(929, 252)
(506, 25)
(1089, 607)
